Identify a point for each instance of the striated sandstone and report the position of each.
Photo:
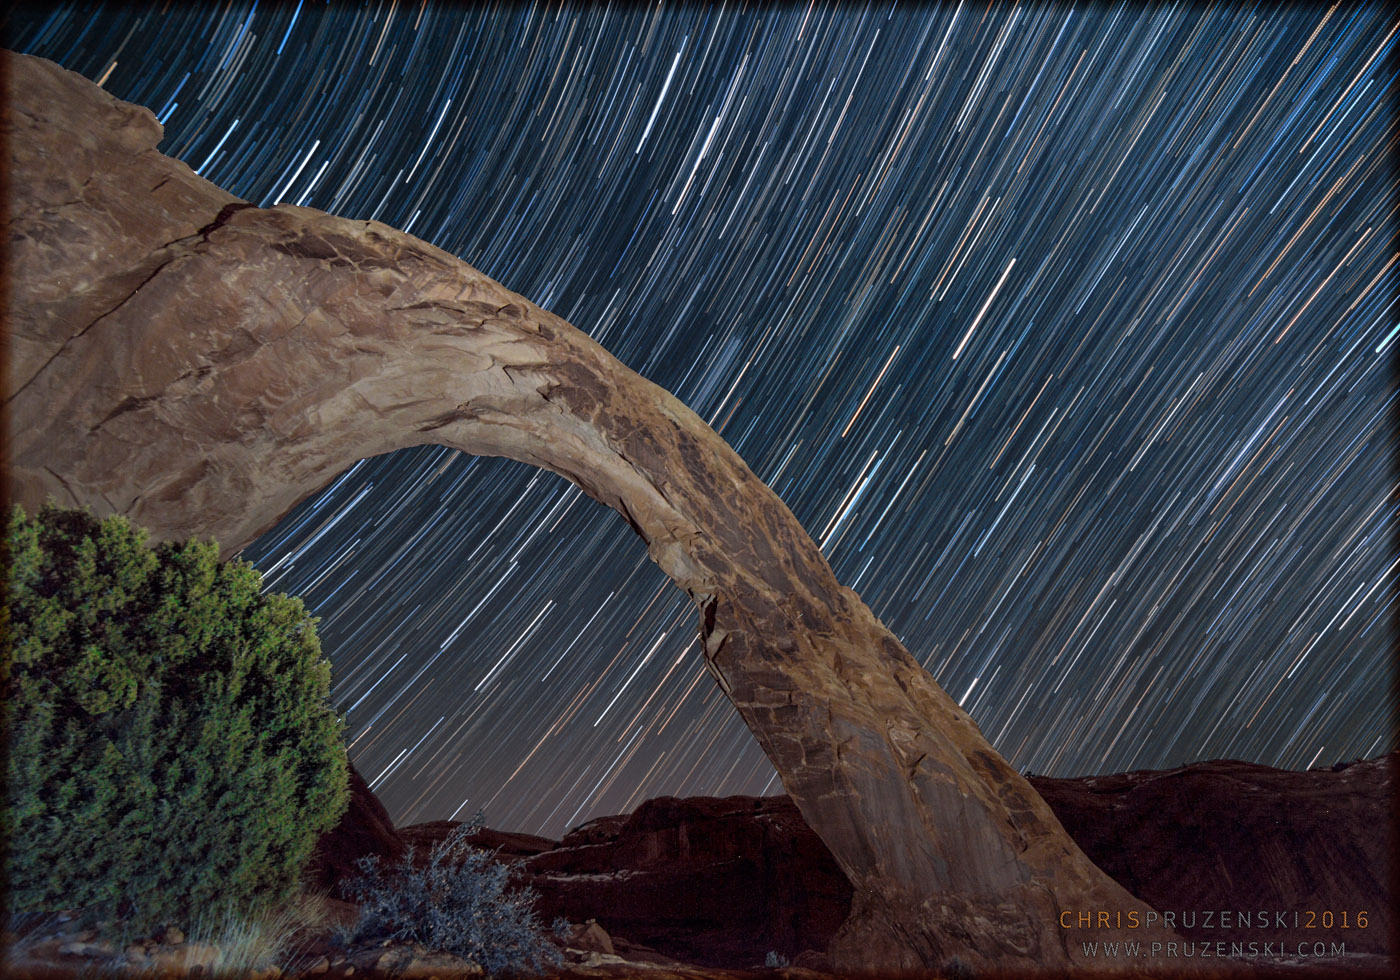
(201, 365)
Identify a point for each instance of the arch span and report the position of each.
(201, 364)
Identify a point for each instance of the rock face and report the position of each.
(717, 882)
(201, 365)
(365, 830)
(1234, 836)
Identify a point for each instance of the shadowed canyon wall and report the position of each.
(201, 365)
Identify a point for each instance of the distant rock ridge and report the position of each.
(715, 882)
(720, 882)
(1239, 837)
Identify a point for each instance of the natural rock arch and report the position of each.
(201, 364)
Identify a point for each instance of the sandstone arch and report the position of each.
(201, 365)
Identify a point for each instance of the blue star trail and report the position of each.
(1067, 330)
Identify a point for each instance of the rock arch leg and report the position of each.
(201, 365)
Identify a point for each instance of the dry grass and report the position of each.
(242, 944)
(237, 944)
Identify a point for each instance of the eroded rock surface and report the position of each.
(1307, 857)
(201, 365)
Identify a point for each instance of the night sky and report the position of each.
(1066, 330)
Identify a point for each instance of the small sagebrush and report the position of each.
(458, 904)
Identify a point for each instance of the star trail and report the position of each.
(1066, 330)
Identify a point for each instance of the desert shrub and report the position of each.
(171, 746)
(459, 903)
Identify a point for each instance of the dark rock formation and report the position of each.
(365, 830)
(507, 846)
(1236, 837)
(714, 882)
(718, 882)
(201, 365)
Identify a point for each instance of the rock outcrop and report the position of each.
(1307, 856)
(507, 846)
(720, 882)
(364, 830)
(716, 882)
(201, 365)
